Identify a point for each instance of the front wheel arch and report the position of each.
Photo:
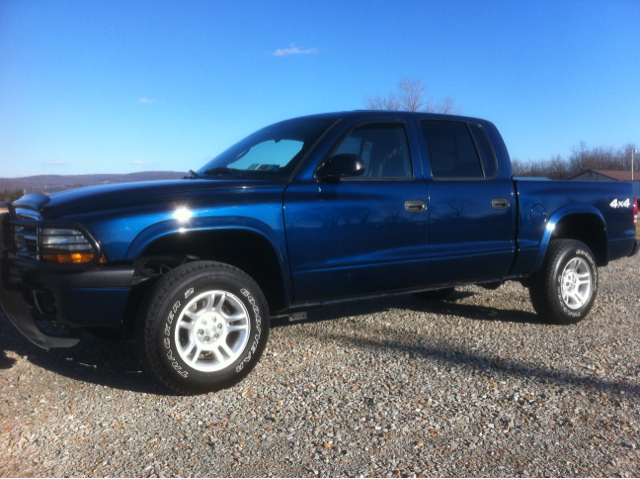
(247, 250)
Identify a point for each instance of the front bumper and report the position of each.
(74, 298)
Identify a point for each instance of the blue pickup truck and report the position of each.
(300, 214)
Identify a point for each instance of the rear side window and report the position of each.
(487, 156)
(383, 148)
(451, 150)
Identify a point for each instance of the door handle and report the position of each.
(500, 203)
(415, 206)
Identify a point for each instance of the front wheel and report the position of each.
(564, 290)
(204, 327)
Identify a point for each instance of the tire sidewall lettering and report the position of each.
(257, 336)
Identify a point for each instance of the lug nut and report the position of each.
(216, 336)
(206, 339)
(200, 332)
(220, 326)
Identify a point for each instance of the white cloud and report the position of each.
(139, 162)
(293, 50)
(146, 101)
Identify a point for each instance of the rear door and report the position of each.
(366, 234)
(472, 222)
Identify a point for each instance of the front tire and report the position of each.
(564, 290)
(204, 327)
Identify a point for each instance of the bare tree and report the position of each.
(412, 95)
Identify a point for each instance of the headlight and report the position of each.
(64, 246)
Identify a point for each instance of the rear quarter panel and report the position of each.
(581, 196)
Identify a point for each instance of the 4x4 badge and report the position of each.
(620, 204)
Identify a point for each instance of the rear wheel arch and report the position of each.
(587, 228)
(584, 223)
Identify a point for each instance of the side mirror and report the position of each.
(346, 164)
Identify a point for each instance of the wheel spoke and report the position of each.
(192, 315)
(210, 301)
(195, 357)
(584, 278)
(226, 349)
(187, 325)
(230, 318)
(219, 357)
(575, 298)
(218, 307)
(185, 350)
(237, 327)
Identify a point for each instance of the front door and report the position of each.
(362, 235)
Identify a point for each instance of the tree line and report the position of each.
(582, 158)
(11, 195)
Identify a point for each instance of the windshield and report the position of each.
(273, 152)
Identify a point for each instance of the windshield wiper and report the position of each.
(192, 175)
(222, 170)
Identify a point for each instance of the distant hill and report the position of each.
(53, 183)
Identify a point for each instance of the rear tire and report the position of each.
(435, 294)
(564, 290)
(203, 327)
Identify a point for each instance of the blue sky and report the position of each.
(122, 86)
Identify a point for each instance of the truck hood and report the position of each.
(98, 198)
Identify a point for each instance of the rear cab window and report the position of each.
(458, 150)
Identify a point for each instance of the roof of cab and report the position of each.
(364, 114)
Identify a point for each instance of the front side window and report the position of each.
(383, 148)
(452, 153)
(270, 153)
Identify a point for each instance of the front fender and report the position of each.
(169, 227)
(553, 222)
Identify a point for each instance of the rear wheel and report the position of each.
(204, 327)
(564, 290)
(435, 294)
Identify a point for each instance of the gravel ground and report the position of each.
(474, 386)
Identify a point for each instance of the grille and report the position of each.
(26, 238)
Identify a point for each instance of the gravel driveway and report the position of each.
(474, 386)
